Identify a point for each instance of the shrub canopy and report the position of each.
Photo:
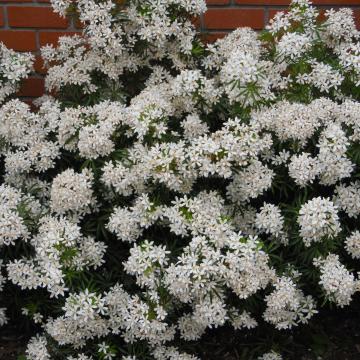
(168, 187)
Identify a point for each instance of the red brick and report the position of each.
(218, 2)
(36, 17)
(195, 20)
(1, 17)
(19, 40)
(212, 37)
(357, 18)
(262, 2)
(32, 87)
(53, 37)
(39, 65)
(78, 24)
(273, 12)
(227, 19)
(336, 2)
(287, 2)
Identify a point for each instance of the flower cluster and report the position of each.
(59, 246)
(338, 283)
(13, 68)
(115, 37)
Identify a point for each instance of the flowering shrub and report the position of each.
(173, 187)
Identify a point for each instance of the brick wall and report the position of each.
(26, 25)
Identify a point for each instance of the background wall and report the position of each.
(26, 25)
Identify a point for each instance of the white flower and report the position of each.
(322, 76)
(348, 198)
(293, 45)
(269, 220)
(105, 350)
(290, 121)
(303, 169)
(13, 68)
(38, 318)
(250, 182)
(146, 262)
(210, 313)
(339, 26)
(171, 353)
(189, 328)
(36, 349)
(352, 244)
(246, 79)
(270, 356)
(12, 226)
(317, 219)
(71, 193)
(58, 245)
(80, 357)
(287, 306)
(243, 320)
(338, 283)
(3, 318)
(194, 127)
(332, 160)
